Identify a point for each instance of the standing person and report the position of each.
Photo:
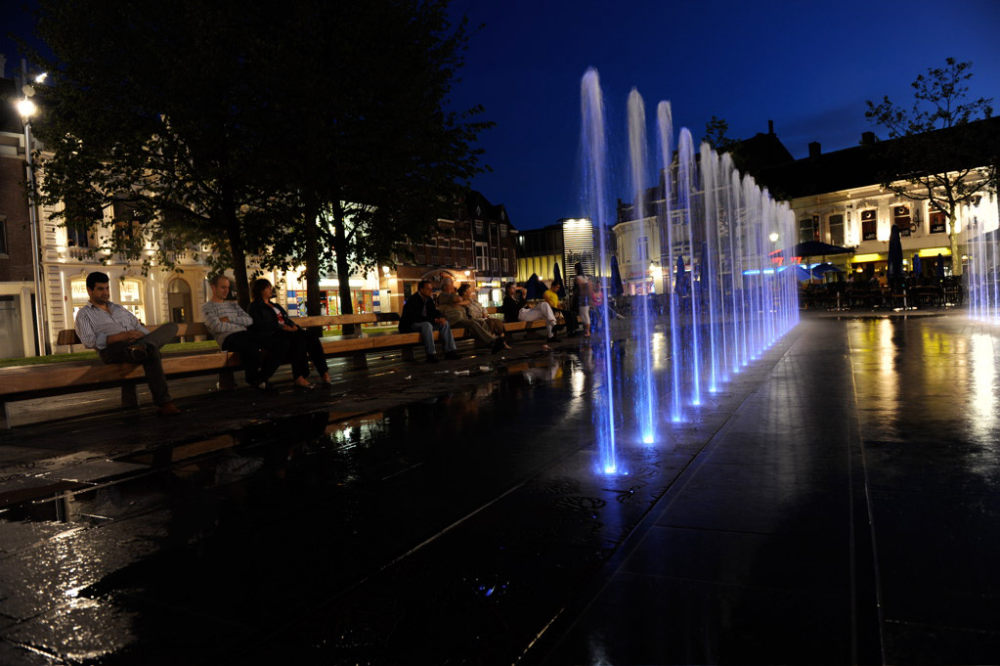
(228, 324)
(453, 307)
(271, 321)
(119, 337)
(581, 288)
(420, 315)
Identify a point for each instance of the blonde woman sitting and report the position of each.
(452, 307)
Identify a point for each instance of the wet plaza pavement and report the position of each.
(835, 503)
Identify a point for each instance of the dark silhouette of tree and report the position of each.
(939, 153)
(301, 132)
(380, 154)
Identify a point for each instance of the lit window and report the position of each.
(131, 299)
(901, 218)
(869, 225)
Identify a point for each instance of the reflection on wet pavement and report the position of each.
(471, 528)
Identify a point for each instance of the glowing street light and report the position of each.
(26, 109)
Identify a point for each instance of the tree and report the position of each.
(938, 153)
(715, 135)
(164, 113)
(380, 155)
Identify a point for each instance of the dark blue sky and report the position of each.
(808, 65)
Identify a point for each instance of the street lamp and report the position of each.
(26, 109)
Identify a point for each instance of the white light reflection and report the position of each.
(984, 400)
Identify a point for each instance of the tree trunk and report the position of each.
(233, 232)
(956, 256)
(341, 250)
(312, 260)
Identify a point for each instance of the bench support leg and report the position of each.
(359, 361)
(5, 416)
(130, 398)
(227, 381)
(407, 354)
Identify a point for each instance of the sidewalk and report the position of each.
(836, 503)
(847, 513)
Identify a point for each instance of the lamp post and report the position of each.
(26, 109)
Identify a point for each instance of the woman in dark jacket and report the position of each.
(512, 303)
(272, 324)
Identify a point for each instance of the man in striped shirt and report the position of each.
(228, 323)
(119, 337)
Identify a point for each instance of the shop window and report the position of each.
(901, 218)
(131, 299)
(869, 225)
(79, 295)
(837, 229)
(938, 222)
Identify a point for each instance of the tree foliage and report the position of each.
(715, 135)
(302, 132)
(938, 155)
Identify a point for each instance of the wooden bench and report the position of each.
(37, 381)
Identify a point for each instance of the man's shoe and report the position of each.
(432, 358)
(452, 356)
(168, 409)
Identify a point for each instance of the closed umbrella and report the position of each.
(556, 274)
(681, 278)
(916, 265)
(616, 286)
(895, 254)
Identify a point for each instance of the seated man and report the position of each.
(118, 337)
(553, 295)
(422, 316)
(228, 323)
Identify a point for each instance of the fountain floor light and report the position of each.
(729, 304)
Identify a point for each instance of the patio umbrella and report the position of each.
(895, 254)
(616, 287)
(801, 273)
(825, 267)
(556, 274)
(815, 248)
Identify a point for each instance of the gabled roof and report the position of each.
(973, 145)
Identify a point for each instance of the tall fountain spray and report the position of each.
(594, 142)
(642, 317)
(665, 132)
(722, 248)
(983, 271)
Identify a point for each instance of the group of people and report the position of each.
(264, 336)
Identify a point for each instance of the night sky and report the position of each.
(808, 66)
